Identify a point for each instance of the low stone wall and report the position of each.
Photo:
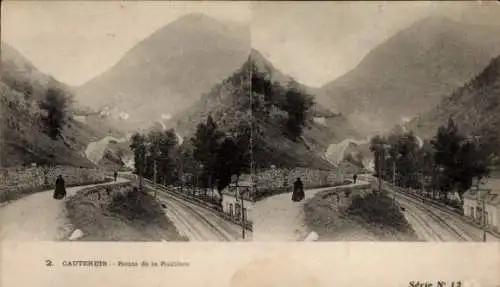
(282, 178)
(275, 181)
(22, 179)
(101, 196)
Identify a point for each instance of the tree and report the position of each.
(297, 104)
(55, 105)
(427, 164)
(446, 144)
(459, 159)
(407, 160)
(471, 163)
(206, 145)
(138, 147)
(377, 148)
(168, 170)
(234, 156)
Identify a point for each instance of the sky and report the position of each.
(75, 41)
(318, 42)
(314, 42)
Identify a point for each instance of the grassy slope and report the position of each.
(475, 107)
(433, 59)
(370, 220)
(23, 139)
(126, 218)
(228, 103)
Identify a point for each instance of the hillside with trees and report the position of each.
(289, 129)
(450, 162)
(37, 118)
(475, 108)
(413, 71)
(249, 121)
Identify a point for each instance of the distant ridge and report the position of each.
(169, 70)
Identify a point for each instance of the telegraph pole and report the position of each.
(394, 172)
(181, 174)
(242, 208)
(423, 182)
(394, 179)
(380, 172)
(482, 200)
(484, 213)
(484, 217)
(242, 218)
(154, 178)
(142, 171)
(209, 184)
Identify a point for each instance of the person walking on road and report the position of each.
(60, 191)
(355, 177)
(298, 190)
(115, 175)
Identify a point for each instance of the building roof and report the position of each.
(231, 191)
(243, 184)
(489, 190)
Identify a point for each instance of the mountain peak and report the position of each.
(412, 71)
(178, 63)
(198, 19)
(262, 65)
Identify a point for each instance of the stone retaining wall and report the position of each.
(17, 179)
(282, 178)
(102, 196)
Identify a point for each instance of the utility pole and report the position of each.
(380, 172)
(242, 218)
(141, 183)
(181, 174)
(394, 172)
(487, 192)
(484, 217)
(394, 179)
(422, 179)
(242, 207)
(339, 172)
(482, 200)
(154, 178)
(209, 184)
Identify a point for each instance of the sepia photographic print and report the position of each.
(382, 122)
(125, 121)
(198, 121)
(142, 134)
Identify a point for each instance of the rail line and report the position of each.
(199, 214)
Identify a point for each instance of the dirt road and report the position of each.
(278, 218)
(38, 217)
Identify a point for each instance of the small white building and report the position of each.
(232, 201)
(473, 203)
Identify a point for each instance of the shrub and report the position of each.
(55, 105)
(378, 210)
(133, 204)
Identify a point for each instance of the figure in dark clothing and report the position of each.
(355, 177)
(115, 175)
(60, 191)
(298, 190)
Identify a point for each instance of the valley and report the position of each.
(218, 130)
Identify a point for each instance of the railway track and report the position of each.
(198, 223)
(435, 223)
